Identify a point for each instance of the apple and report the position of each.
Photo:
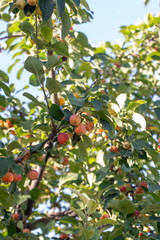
(26, 230)
(81, 129)
(158, 148)
(33, 174)
(2, 109)
(15, 216)
(117, 65)
(8, 124)
(61, 101)
(63, 138)
(143, 184)
(89, 125)
(139, 190)
(8, 177)
(20, 4)
(126, 145)
(64, 236)
(65, 161)
(17, 178)
(114, 149)
(123, 188)
(105, 215)
(75, 120)
(32, 2)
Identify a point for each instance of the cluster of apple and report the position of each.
(125, 145)
(8, 125)
(79, 128)
(20, 4)
(12, 177)
(139, 189)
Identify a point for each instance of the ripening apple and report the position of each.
(32, 2)
(20, 4)
(143, 184)
(158, 148)
(117, 65)
(75, 120)
(17, 178)
(126, 145)
(15, 216)
(8, 124)
(8, 177)
(81, 129)
(33, 174)
(105, 215)
(139, 190)
(65, 161)
(63, 138)
(26, 230)
(114, 149)
(2, 109)
(123, 188)
(61, 100)
(89, 125)
(64, 236)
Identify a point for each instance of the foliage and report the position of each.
(115, 91)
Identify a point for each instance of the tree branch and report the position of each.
(13, 36)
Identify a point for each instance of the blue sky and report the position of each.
(109, 15)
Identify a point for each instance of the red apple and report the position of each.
(63, 138)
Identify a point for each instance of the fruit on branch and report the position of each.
(81, 129)
(33, 174)
(15, 216)
(139, 190)
(63, 138)
(20, 4)
(75, 120)
(158, 148)
(89, 125)
(28, 136)
(65, 161)
(2, 109)
(17, 178)
(32, 2)
(8, 177)
(105, 215)
(61, 100)
(126, 145)
(8, 124)
(26, 230)
(136, 213)
(64, 236)
(114, 149)
(123, 188)
(143, 184)
(117, 65)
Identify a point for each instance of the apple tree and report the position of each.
(80, 150)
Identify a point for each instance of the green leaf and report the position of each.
(66, 24)
(124, 205)
(67, 177)
(55, 112)
(91, 206)
(79, 213)
(75, 101)
(5, 17)
(59, 48)
(34, 65)
(60, 7)
(5, 89)
(158, 227)
(37, 103)
(134, 104)
(97, 104)
(104, 221)
(86, 67)
(34, 81)
(11, 66)
(35, 193)
(71, 220)
(13, 145)
(26, 27)
(46, 7)
(88, 233)
(82, 151)
(52, 62)
(77, 2)
(138, 144)
(53, 86)
(83, 197)
(4, 77)
(152, 207)
(87, 141)
(46, 32)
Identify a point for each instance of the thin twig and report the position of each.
(13, 36)
(92, 85)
